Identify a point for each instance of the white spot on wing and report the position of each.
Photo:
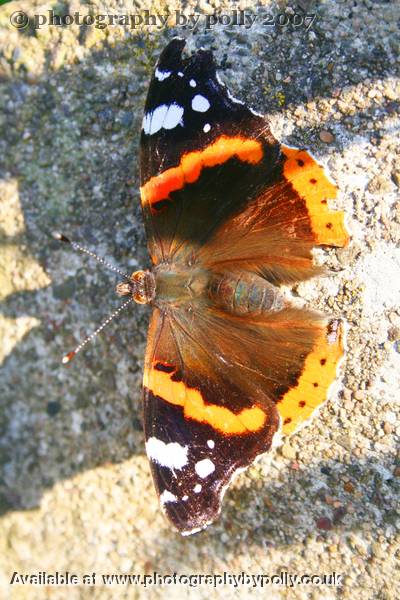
(192, 83)
(172, 455)
(211, 444)
(164, 116)
(146, 123)
(161, 75)
(173, 117)
(157, 118)
(180, 73)
(206, 127)
(185, 497)
(200, 103)
(197, 488)
(166, 496)
(204, 467)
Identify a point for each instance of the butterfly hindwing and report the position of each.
(201, 427)
(213, 400)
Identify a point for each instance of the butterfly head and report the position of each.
(140, 286)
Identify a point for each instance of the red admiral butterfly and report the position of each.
(230, 214)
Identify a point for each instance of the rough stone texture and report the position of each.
(76, 492)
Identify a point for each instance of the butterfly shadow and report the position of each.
(58, 420)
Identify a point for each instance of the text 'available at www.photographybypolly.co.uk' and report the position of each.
(283, 579)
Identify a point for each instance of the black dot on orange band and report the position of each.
(300, 162)
(315, 384)
(313, 180)
(302, 404)
(324, 202)
(329, 225)
(287, 421)
(322, 361)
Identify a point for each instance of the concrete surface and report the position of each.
(75, 487)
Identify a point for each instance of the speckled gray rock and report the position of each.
(75, 487)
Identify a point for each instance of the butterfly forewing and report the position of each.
(203, 154)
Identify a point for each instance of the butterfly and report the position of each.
(231, 215)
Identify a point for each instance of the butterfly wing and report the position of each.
(202, 153)
(214, 179)
(201, 424)
(217, 387)
(275, 232)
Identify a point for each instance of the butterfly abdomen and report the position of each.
(244, 293)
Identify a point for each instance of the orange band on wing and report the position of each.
(319, 372)
(192, 163)
(310, 182)
(194, 407)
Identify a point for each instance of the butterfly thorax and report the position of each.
(178, 285)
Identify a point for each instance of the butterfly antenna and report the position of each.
(68, 357)
(63, 238)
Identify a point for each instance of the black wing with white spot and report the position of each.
(201, 426)
(204, 155)
(186, 108)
